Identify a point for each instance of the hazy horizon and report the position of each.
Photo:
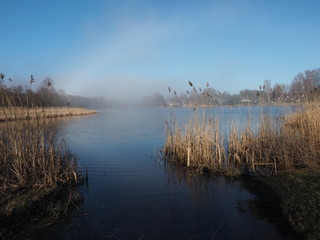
(126, 50)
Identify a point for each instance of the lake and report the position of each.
(133, 194)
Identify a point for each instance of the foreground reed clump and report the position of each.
(31, 155)
(198, 145)
(287, 149)
(291, 145)
(36, 171)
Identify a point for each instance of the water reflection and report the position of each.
(178, 175)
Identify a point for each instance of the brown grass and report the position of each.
(19, 113)
(198, 145)
(31, 155)
(37, 169)
(37, 172)
(293, 144)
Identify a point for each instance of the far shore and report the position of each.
(20, 113)
(235, 105)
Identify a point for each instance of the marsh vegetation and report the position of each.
(38, 172)
(286, 146)
(285, 153)
(37, 169)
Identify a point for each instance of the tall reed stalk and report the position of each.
(31, 155)
(292, 146)
(198, 144)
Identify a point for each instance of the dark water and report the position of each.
(133, 195)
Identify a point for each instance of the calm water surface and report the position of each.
(133, 195)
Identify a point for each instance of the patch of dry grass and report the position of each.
(198, 145)
(19, 113)
(37, 169)
(293, 144)
(37, 172)
(32, 156)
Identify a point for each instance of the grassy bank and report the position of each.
(300, 201)
(288, 151)
(37, 171)
(19, 113)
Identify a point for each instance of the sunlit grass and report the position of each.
(197, 145)
(37, 169)
(293, 145)
(19, 113)
(290, 144)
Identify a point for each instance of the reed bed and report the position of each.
(19, 113)
(33, 157)
(294, 145)
(197, 145)
(291, 144)
(37, 171)
(287, 149)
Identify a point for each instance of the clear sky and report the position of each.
(136, 48)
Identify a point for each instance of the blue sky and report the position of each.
(136, 48)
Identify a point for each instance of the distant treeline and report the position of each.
(45, 95)
(304, 87)
(156, 100)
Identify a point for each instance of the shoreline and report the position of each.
(28, 210)
(39, 173)
(235, 105)
(20, 113)
(286, 155)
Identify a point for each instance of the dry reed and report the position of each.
(37, 169)
(30, 155)
(198, 145)
(33, 161)
(293, 144)
(19, 113)
(37, 172)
